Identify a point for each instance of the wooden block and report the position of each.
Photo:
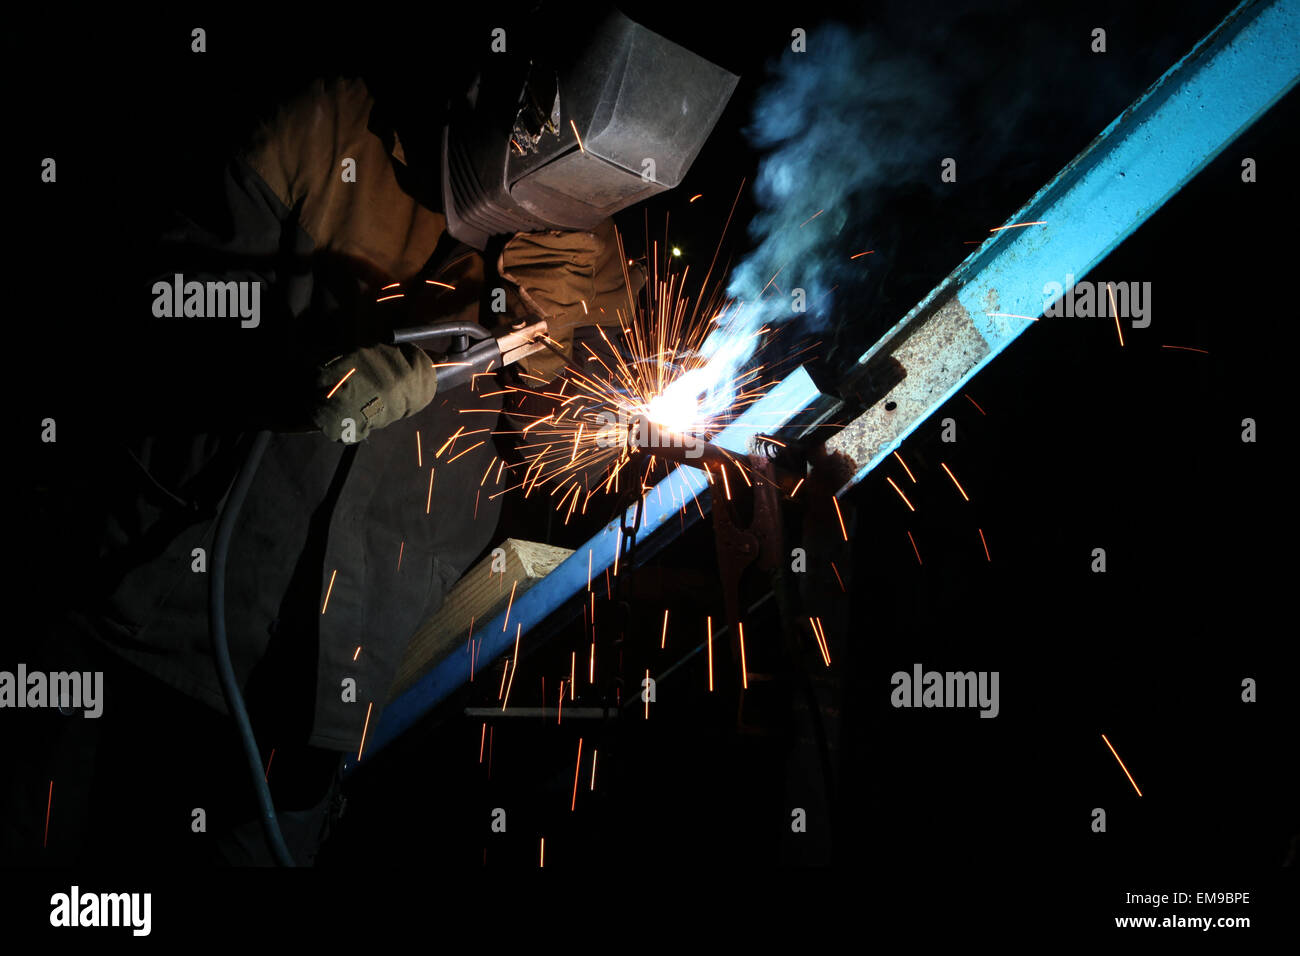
(479, 596)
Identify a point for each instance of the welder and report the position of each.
(354, 217)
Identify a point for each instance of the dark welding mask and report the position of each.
(567, 135)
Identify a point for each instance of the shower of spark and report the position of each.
(680, 368)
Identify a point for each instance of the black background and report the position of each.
(1081, 444)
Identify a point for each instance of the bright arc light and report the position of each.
(675, 409)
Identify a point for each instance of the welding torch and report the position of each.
(471, 349)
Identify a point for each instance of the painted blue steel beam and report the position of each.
(1159, 143)
(1186, 118)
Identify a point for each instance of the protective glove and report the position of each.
(571, 279)
(370, 388)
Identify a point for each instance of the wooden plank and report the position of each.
(479, 596)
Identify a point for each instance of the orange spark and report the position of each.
(267, 774)
(1018, 225)
(50, 803)
(400, 548)
(328, 590)
(1185, 348)
(859, 255)
(710, 624)
(839, 514)
(826, 646)
(1110, 291)
(395, 296)
(514, 665)
(798, 486)
(573, 672)
(577, 137)
(618, 551)
(593, 769)
(340, 384)
(744, 669)
(663, 639)
(419, 452)
(573, 805)
(357, 652)
(975, 403)
(363, 731)
(693, 198)
(821, 645)
(905, 468)
(1122, 767)
(465, 452)
(428, 501)
(900, 492)
(914, 547)
(838, 578)
(454, 436)
(534, 424)
(811, 218)
(509, 605)
(955, 481)
(441, 284)
(986, 545)
(482, 739)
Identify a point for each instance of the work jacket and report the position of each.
(341, 550)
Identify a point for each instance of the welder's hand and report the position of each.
(570, 279)
(370, 388)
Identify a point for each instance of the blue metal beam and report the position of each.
(1187, 117)
(1146, 155)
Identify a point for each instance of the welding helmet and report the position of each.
(575, 128)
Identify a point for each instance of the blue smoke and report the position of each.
(857, 127)
(836, 126)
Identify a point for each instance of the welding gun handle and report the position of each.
(450, 329)
(457, 368)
